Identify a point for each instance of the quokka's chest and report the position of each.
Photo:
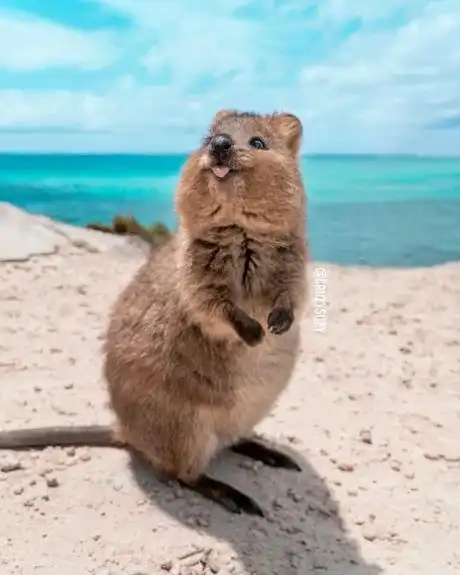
(252, 266)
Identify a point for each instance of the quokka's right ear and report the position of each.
(221, 114)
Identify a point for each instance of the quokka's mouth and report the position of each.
(220, 171)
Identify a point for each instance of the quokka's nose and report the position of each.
(221, 147)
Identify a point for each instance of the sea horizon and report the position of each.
(184, 154)
(363, 209)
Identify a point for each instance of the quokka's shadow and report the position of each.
(303, 533)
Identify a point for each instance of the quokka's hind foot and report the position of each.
(225, 495)
(256, 450)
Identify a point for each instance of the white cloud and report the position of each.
(374, 90)
(30, 43)
(396, 74)
(387, 86)
(59, 109)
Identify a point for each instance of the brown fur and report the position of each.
(183, 382)
(205, 337)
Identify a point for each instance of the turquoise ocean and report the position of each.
(362, 210)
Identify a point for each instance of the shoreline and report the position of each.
(51, 232)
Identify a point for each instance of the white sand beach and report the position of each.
(372, 414)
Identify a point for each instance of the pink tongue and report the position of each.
(220, 171)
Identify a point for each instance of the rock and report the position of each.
(10, 464)
(51, 481)
(213, 562)
(24, 235)
(365, 436)
(202, 522)
(296, 497)
(346, 466)
(369, 534)
(405, 350)
(431, 456)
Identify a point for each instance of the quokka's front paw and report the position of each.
(250, 331)
(280, 320)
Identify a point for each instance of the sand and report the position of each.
(372, 414)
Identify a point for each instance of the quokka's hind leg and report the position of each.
(186, 460)
(255, 449)
(190, 474)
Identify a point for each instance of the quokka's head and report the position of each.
(246, 172)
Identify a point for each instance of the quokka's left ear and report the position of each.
(290, 129)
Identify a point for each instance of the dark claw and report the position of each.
(225, 495)
(280, 320)
(268, 456)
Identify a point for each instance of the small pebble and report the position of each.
(395, 465)
(346, 466)
(292, 529)
(117, 485)
(293, 439)
(46, 470)
(52, 481)
(431, 456)
(202, 522)
(10, 464)
(318, 564)
(213, 562)
(296, 497)
(365, 436)
(405, 350)
(246, 464)
(369, 535)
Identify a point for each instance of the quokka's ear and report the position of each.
(290, 129)
(221, 115)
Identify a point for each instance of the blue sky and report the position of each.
(144, 75)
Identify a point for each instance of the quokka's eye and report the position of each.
(257, 143)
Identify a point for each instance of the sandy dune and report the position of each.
(373, 414)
